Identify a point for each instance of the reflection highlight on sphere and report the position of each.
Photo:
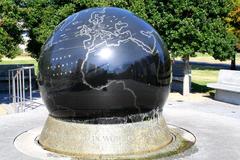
(105, 53)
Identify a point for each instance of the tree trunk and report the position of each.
(186, 64)
(233, 63)
(187, 76)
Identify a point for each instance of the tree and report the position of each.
(190, 26)
(10, 29)
(187, 26)
(41, 17)
(234, 21)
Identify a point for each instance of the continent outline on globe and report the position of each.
(98, 38)
(97, 31)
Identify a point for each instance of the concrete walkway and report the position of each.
(215, 124)
(6, 104)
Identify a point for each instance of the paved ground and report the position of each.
(215, 124)
(14, 124)
(6, 106)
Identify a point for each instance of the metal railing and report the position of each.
(22, 97)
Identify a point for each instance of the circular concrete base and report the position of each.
(28, 143)
(93, 140)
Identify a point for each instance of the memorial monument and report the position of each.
(105, 75)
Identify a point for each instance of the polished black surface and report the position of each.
(103, 62)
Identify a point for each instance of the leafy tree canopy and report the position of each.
(187, 26)
(10, 29)
(190, 26)
(234, 20)
(41, 17)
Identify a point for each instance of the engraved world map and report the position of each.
(97, 34)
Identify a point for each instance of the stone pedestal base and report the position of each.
(104, 139)
(59, 140)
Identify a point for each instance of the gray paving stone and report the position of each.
(215, 124)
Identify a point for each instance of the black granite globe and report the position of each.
(101, 63)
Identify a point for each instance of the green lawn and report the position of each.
(21, 60)
(201, 76)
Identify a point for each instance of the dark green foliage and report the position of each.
(10, 29)
(187, 26)
(41, 17)
(190, 26)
